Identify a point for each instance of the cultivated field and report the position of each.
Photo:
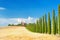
(21, 33)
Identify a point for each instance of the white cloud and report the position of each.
(2, 8)
(27, 20)
(6, 21)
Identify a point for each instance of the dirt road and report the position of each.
(21, 33)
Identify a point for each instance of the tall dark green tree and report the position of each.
(49, 23)
(40, 24)
(59, 19)
(56, 21)
(37, 26)
(53, 22)
(43, 26)
(45, 23)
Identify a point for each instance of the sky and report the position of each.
(25, 9)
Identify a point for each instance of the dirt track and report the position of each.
(21, 33)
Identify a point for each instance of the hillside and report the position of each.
(21, 33)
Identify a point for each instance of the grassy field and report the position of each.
(21, 33)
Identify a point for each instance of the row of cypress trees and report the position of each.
(46, 25)
(50, 26)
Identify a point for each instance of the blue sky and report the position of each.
(27, 8)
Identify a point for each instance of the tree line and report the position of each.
(45, 25)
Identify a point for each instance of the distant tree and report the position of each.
(43, 26)
(12, 25)
(56, 21)
(40, 25)
(49, 23)
(45, 23)
(19, 24)
(59, 19)
(9, 24)
(37, 26)
(53, 22)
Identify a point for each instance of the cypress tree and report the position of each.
(40, 22)
(49, 23)
(45, 23)
(43, 26)
(37, 26)
(59, 19)
(53, 22)
(56, 21)
(39, 30)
